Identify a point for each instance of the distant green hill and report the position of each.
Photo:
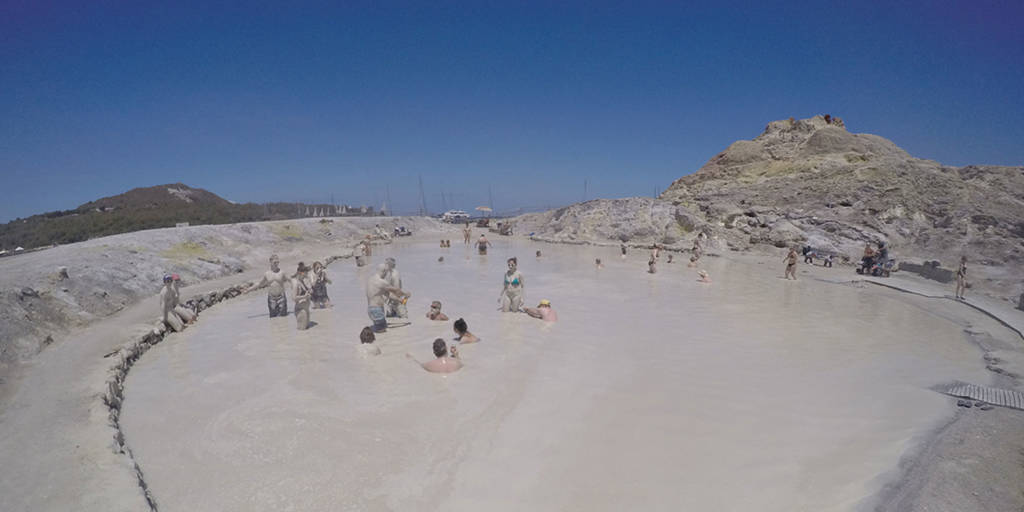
(145, 208)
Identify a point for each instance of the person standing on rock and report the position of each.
(512, 292)
(961, 278)
(168, 301)
(790, 260)
(302, 294)
(276, 279)
(377, 290)
(396, 305)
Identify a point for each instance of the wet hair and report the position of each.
(440, 348)
(597, 261)
(366, 335)
(460, 326)
(273, 258)
(436, 303)
(440, 259)
(514, 260)
(317, 264)
(538, 253)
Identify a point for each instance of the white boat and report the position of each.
(455, 216)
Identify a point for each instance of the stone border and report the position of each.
(128, 355)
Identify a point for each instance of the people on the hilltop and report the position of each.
(597, 263)
(366, 339)
(703, 276)
(168, 301)
(377, 290)
(434, 313)
(462, 332)
(396, 304)
(467, 233)
(187, 315)
(512, 291)
(320, 281)
(275, 279)
(790, 261)
(961, 278)
(303, 292)
(482, 243)
(445, 361)
(543, 311)
(652, 265)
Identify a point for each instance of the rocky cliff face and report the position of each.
(812, 182)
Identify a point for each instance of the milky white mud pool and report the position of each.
(653, 392)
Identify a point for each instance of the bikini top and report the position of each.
(514, 282)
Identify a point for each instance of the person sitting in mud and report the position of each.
(320, 282)
(187, 315)
(446, 361)
(276, 279)
(168, 301)
(543, 311)
(651, 267)
(703, 276)
(377, 290)
(462, 332)
(303, 293)
(482, 243)
(366, 339)
(598, 264)
(512, 291)
(790, 261)
(435, 312)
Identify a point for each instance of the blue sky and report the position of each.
(266, 103)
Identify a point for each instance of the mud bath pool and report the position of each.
(652, 392)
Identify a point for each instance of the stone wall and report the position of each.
(929, 270)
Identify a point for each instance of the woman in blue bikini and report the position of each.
(512, 293)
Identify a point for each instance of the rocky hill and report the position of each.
(812, 182)
(144, 208)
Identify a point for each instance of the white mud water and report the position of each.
(653, 392)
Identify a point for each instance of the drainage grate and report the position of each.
(994, 396)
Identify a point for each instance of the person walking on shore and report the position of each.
(961, 278)
(790, 260)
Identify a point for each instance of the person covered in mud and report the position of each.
(652, 267)
(961, 278)
(275, 279)
(434, 313)
(187, 315)
(320, 281)
(790, 261)
(366, 346)
(482, 243)
(703, 276)
(669, 259)
(827, 261)
(168, 301)
(467, 233)
(598, 264)
(303, 292)
(655, 251)
(446, 361)
(622, 247)
(377, 290)
(462, 332)
(512, 291)
(868, 259)
(396, 304)
(543, 311)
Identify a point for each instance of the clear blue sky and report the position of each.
(261, 103)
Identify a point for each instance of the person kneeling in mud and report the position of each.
(446, 361)
(435, 312)
(543, 311)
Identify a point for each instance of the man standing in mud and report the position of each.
(396, 304)
(277, 303)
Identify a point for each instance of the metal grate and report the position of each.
(994, 396)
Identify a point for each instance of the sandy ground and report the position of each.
(652, 391)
